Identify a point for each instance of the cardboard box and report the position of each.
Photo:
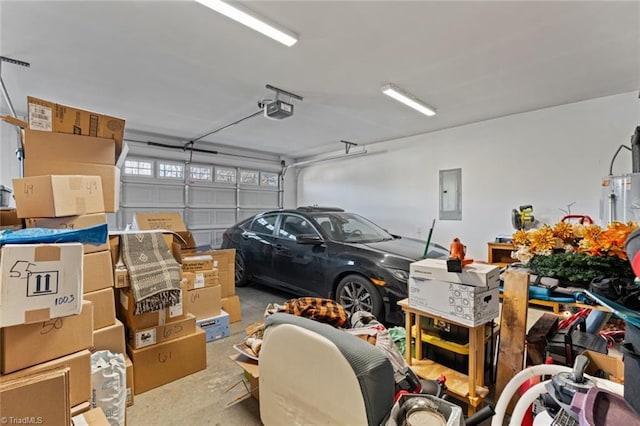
(104, 309)
(251, 373)
(205, 302)
(26, 345)
(42, 398)
(64, 147)
(80, 408)
(9, 219)
(39, 282)
(192, 263)
(54, 195)
(93, 417)
(79, 365)
(72, 222)
(125, 306)
(231, 305)
(225, 262)
(138, 339)
(51, 117)
(216, 327)
(605, 366)
(201, 279)
(110, 338)
(171, 221)
(476, 274)
(165, 362)
(129, 364)
(458, 303)
(96, 271)
(109, 175)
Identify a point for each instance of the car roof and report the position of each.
(308, 209)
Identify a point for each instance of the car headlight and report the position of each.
(400, 274)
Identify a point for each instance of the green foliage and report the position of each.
(579, 267)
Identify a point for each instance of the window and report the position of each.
(292, 226)
(249, 177)
(268, 179)
(202, 173)
(138, 168)
(264, 224)
(171, 170)
(225, 175)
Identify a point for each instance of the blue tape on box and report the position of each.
(216, 328)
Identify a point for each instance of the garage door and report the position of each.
(210, 197)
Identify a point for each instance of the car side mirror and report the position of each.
(309, 239)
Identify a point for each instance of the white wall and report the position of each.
(548, 158)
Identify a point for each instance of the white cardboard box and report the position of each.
(476, 274)
(39, 282)
(463, 304)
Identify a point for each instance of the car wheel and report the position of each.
(242, 280)
(356, 293)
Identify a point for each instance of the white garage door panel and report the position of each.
(211, 197)
(259, 198)
(202, 237)
(112, 221)
(142, 194)
(128, 212)
(246, 213)
(212, 217)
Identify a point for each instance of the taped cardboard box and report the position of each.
(111, 338)
(64, 147)
(138, 339)
(97, 271)
(93, 417)
(104, 310)
(231, 305)
(200, 279)
(79, 365)
(73, 222)
(225, 262)
(109, 175)
(52, 117)
(55, 194)
(80, 408)
(26, 345)
(42, 398)
(130, 391)
(125, 308)
(159, 364)
(216, 327)
(193, 263)
(171, 221)
(39, 282)
(205, 302)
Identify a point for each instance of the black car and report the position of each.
(329, 253)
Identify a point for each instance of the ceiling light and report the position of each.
(408, 99)
(251, 20)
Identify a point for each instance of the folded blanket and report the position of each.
(153, 272)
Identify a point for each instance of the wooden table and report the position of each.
(470, 387)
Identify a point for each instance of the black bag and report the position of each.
(568, 343)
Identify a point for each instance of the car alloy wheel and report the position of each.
(356, 293)
(241, 272)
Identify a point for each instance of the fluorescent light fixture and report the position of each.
(251, 20)
(408, 99)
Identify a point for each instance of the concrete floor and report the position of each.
(205, 398)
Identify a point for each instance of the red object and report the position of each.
(457, 250)
(580, 218)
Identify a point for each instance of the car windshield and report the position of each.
(350, 228)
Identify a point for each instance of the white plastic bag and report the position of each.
(109, 385)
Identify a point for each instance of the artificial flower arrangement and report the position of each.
(575, 252)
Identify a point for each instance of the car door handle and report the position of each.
(279, 247)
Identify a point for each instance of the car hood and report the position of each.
(408, 248)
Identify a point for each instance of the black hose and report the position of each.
(480, 416)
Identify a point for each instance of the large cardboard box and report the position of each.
(52, 194)
(193, 263)
(200, 279)
(109, 175)
(216, 327)
(64, 147)
(9, 219)
(462, 304)
(79, 364)
(225, 262)
(205, 302)
(42, 398)
(97, 270)
(26, 345)
(93, 417)
(104, 309)
(231, 305)
(125, 308)
(51, 117)
(138, 339)
(39, 282)
(171, 221)
(165, 362)
(111, 338)
(476, 274)
(72, 222)
(607, 366)
(130, 392)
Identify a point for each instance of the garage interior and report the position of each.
(530, 118)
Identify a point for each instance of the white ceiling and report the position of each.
(179, 69)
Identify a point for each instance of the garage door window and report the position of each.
(138, 168)
(268, 179)
(249, 177)
(201, 173)
(225, 175)
(171, 170)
